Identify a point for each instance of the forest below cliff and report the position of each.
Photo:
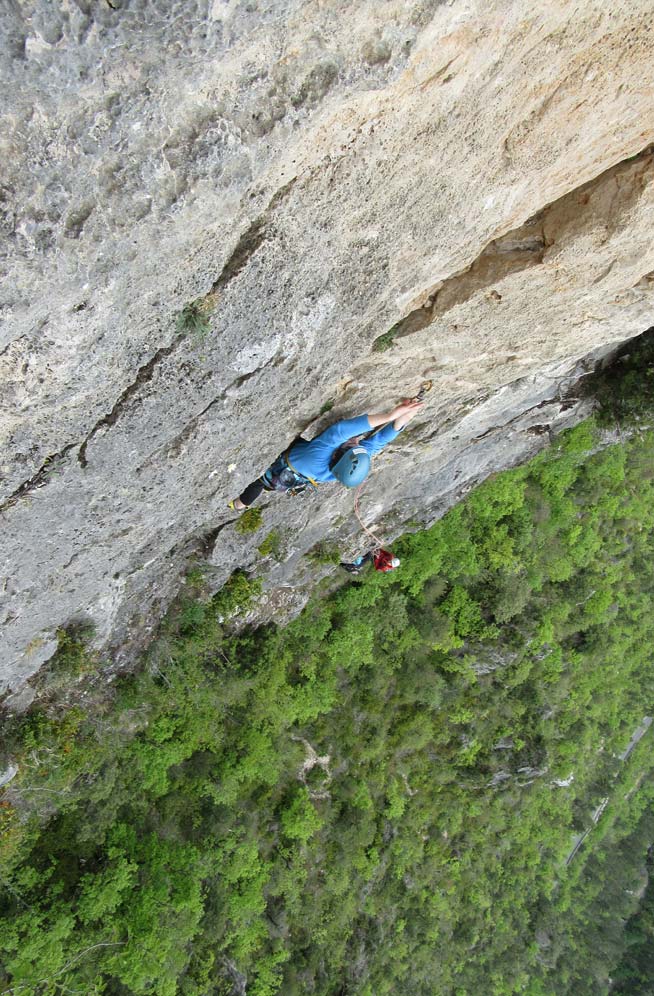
(422, 785)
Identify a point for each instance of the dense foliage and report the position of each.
(634, 973)
(381, 797)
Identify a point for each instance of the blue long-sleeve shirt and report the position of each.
(312, 459)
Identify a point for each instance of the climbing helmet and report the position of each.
(352, 468)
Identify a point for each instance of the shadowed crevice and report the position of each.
(39, 478)
(518, 250)
(250, 241)
(143, 376)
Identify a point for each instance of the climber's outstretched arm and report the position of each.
(399, 415)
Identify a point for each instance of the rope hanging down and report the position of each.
(361, 522)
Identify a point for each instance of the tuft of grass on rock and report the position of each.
(250, 521)
(72, 661)
(72, 656)
(195, 577)
(194, 317)
(236, 595)
(385, 341)
(272, 545)
(324, 553)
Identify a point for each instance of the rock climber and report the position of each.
(340, 453)
(382, 560)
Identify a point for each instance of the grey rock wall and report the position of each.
(316, 173)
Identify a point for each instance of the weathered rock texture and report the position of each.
(476, 172)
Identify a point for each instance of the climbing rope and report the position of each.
(377, 540)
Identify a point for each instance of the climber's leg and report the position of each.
(357, 563)
(250, 495)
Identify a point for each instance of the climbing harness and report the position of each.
(282, 476)
(304, 478)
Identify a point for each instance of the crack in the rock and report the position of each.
(39, 478)
(143, 376)
(565, 401)
(244, 378)
(11, 343)
(519, 249)
(207, 541)
(247, 245)
(565, 398)
(172, 448)
(541, 429)
(251, 240)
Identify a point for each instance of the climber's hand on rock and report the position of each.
(405, 412)
(409, 405)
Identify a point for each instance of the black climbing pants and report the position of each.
(252, 492)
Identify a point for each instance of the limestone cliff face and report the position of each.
(474, 176)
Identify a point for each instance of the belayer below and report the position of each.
(382, 560)
(337, 454)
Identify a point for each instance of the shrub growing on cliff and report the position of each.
(324, 552)
(72, 656)
(625, 389)
(272, 545)
(249, 521)
(194, 318)
(385, 341)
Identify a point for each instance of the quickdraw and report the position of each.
(425, 388)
